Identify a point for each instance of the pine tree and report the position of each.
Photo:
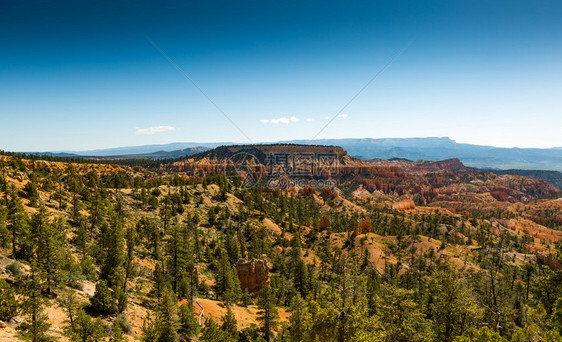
(31, 193)
(36, 326)
(268, 312)
(227, 284)
(82, 239)
(17, 220)
(547, 289)
(556, 317)
(212, 332)
(453, 308)
(159, 280)
(4, 232)
(70, 304)
(300, 277)
(113, 257)
(84, 328)
(300, 316)
(189, 326)
(401, 317)
(232, 249)
(229, 325)
(177, 250)
(166, 317)
(50, 250)
(131, 236)
(331, 318)
(9, 306)
(117, 333)
(103, 300)
(149, 330)
(483, 334)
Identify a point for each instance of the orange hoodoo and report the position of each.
(252, 274)
(404, 205)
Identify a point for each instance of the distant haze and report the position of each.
(432, 148)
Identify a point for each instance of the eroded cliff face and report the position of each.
(548, 260)
(252, 274)
(435, 166)
(406, 204)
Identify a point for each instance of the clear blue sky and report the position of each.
(78, 75)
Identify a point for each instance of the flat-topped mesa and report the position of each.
(453, 164)
(263, 156)
(261, 152)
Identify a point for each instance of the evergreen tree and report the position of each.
(131, 236)
(401, 317)
(9, 306)
(17, 220)
(50, 251)
(84, 328)
(189, 326)
(113, 245)
(117, 333)
(452, 306)
(36, 326)
(268, 314)
(547, 289)
(232, 249)
(227, 284)
(82, 239)
(212, 332)
(166, 317)
(103, 300)
(31, 193)
(229, 325)
(483, 334)
(5, 237)
(177, 250)
(299, 327)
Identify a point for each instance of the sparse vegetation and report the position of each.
(97, 251)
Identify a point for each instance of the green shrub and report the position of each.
(103, 300)
(123, 323)
(8, 302)
(15, 268)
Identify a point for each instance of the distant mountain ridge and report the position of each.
(477, 156)
(431, 148)
(138, 150)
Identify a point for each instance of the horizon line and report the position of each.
(226, 143)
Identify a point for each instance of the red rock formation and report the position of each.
(362, 226)
(253, 274)
(404, 205)
(324, 222)
(443, 165)
(549, 261)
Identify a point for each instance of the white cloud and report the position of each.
(282, 120)
(155, 129)
(343, 116)
(309, 120)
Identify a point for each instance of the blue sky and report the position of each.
(82, 75)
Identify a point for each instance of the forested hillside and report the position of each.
(398, 251)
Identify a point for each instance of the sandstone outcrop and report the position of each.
(548, 260)
(252, 274)
(362, 226)
(404, 205)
